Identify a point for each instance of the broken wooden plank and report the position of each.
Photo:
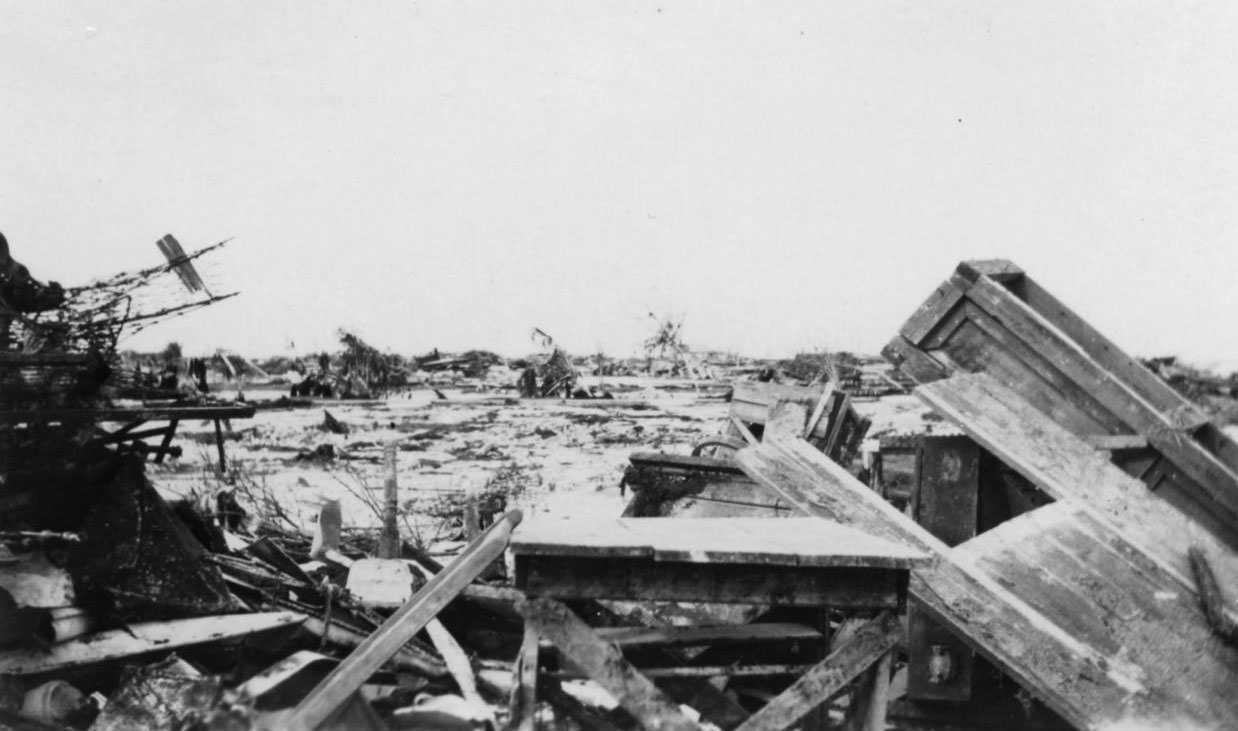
(1115, 442)
(1081, 576)
(742, 429)
(750, 401)
(797, 542)
(661, 460)
(524, 694)
(647, 580)
(724, 634)
(350, 674)
(868, 707)
(1029, 341)
(1076, 680)
(732, 670)
(786, 418)
(831, 675)
(1211, 599)
(1057, 462)
(140, 638)
(604, 664)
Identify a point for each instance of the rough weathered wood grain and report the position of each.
(797, 541)
(370, 655)
(1078, 681)
(831, 675)
(139, 639)
(524, 694)
(1065, 467)
(647, 580)
(1010, 327)
(604, 664)
(724, 634)
(1083, 577)
(868, 710)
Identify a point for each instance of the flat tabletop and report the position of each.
(771, 541)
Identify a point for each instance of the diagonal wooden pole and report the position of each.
(333, 690)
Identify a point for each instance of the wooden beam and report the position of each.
(410, 619)
(524, 693)
(147, 413)
(605, 665)
(1081, 576)
(647, 580)
(141, 638)
(1212, 476)
(706, 671)
(1039, 655)
(725, 634)
(830, 676)
(742, 429)
(935, 308)
(685, 463)
(786, 418)
(1114, 442)
(1057, 462)
(913, 362)
(868, 706)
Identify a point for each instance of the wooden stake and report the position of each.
(389, 541)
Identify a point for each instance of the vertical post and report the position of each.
(219, 444)
(868, 711)
(389, 540)
(524, 689)
(471, 512)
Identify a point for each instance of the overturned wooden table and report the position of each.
(797, 562)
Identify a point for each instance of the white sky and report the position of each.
(785, 176)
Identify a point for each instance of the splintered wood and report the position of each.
(991, 317)
(1006, 593)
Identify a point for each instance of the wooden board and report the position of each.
(1081, 576)
(1080, 682)
(725, 634)
(1066, 468)
(604, 664)
(683, 463)
(139, 639)
(790, 542)
(992, 317)
(750, 401)
(635, 579)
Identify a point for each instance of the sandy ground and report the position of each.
(560, 457)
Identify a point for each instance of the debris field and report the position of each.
(1004, 522)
